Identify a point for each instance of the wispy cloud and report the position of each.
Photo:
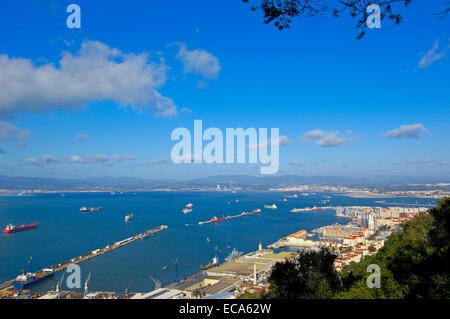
(77, 159)
(96, 72)
(199, 62)
(43, 160)
(9, 132)
(428, 161)
(185, 110)
(159, 161)
(82, 137)
(327, 138)
(296, 163)
(188, 158)
(408, 131)
(123, 158)
(432, 55)
(282, 140)
(94, 159)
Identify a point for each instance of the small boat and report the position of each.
(186, 210)
(129, 217)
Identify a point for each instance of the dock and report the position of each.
(94, 253)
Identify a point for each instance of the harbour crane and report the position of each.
(58, 287)
(156, 281)
(86, 284)
(127, 290)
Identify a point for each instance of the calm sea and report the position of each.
(65, 233)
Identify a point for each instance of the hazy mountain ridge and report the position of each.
(20, 182)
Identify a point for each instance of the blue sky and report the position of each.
(334, 97)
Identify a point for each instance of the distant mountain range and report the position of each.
(257, 182)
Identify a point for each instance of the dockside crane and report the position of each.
(156, 281)
(58, 287)
(86, 284)
(127, 290)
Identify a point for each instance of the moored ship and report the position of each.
(85, 209)
(234, 255)
(27, 279)
(254, 212)
(216, 220)
(213, 263)
(14, 229)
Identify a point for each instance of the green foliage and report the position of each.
(311, 275)
(249, 295)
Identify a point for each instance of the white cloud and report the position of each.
(9, 132)
(326, 138)
(408, 131)
(199, 62)
(432, 55)
(122, 158)
(96, 72)
(77, 159)
(43, 160)
(95, 159)
(282, 140)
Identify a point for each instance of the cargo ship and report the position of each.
(13, 229)
(27, 279)
(129, 217)
(291, 196)
(216, 220)
(273, 206)
(89, 209)
(213, 263)
(254, 212)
